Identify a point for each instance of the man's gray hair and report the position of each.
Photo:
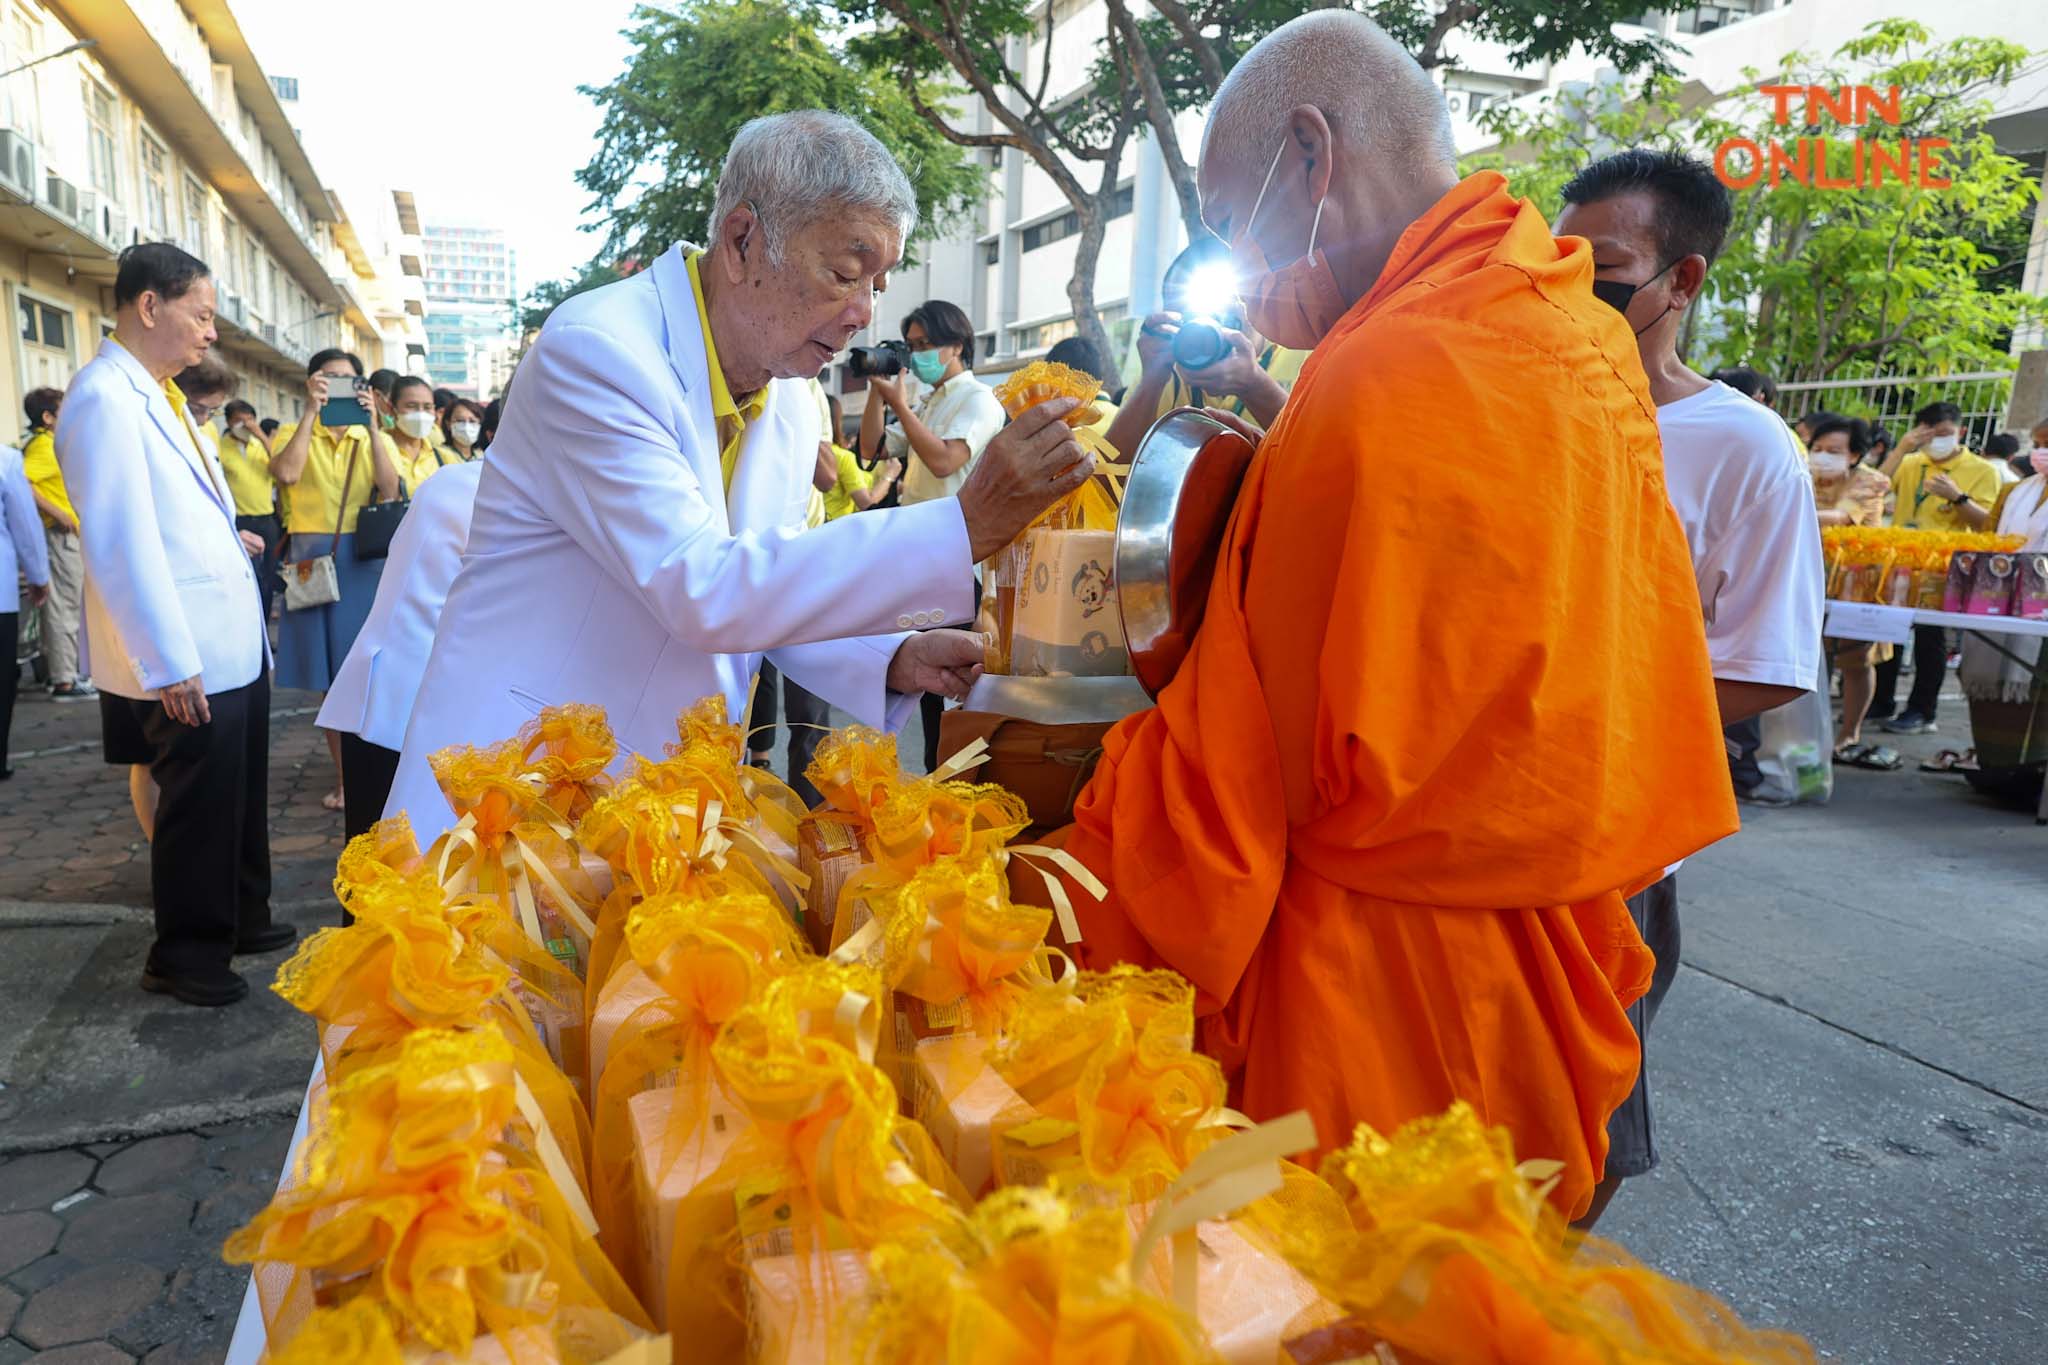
(793, 169)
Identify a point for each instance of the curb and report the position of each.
(181, 1118)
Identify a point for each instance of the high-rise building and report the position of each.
(471, 293)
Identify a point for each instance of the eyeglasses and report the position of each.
(202, 413)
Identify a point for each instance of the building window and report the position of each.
(100, 117)
(1068, 224)
(992, 251)
(156, 188)
(24, 96)
(287, 87)
(195, 217)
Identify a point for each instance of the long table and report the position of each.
(1894, 625)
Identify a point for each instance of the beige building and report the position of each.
(126, 121)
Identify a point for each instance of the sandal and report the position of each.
(1875, 757)
(1949, 761)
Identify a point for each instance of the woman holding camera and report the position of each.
(939, 438)
(330, 467)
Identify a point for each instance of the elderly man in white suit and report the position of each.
(638, 538)
(174, 623)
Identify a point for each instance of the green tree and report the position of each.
(1814, 282)
(701, 70)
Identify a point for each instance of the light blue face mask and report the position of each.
(930, 365)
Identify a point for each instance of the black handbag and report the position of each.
(377, 522)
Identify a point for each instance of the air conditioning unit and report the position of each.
(61, 197)
(231, 308)
(20, 164)
(102, 219)
(269, 332)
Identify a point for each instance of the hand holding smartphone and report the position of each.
(345, 405)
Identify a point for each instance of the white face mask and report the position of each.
(416, 424)
(466, 432)
(1941, 447)
(1829, 463)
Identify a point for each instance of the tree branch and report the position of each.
(1157, 113)
(1206, 58)
(1456, 12)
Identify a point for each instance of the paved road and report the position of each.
(1850, 1077)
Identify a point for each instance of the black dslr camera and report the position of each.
(878, 362)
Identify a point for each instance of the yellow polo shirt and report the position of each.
(39, 462)
(852, 478)
(1916, 506)
(249, 480)
(732, 416)
(309, 504)
(414, 472)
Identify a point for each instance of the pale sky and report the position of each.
(470, 104)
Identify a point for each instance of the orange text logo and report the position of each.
(1827, 163)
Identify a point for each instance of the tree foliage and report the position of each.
(701, 69)
(544, 297)
(1817, 283)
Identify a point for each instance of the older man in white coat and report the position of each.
(638, 539)
(174, 624)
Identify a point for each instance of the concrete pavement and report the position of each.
(1849, 1077)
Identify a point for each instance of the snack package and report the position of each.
(664, 1175)
(828, 851)
(1962, 577)
(1900, 585)
(1996, 581)
(856, 772)
(1066, 621)
(789, 1303)
(2030, 599)
(1248, 1298)
(1863, 575)
(957, 1096)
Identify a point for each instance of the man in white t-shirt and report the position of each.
(940, 436)
(1739, 483)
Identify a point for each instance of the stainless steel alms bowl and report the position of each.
(1178, 498)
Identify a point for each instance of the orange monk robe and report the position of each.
(1450, 700)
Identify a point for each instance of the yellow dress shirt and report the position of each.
(839, 501)
(732, 416)
(309, 504)
(39, 462)
(1916, 506)
(249, 480)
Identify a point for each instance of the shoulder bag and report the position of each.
(378, 522)
(313, 582)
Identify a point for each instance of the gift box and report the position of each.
(1066, 622)
(628, 988)
(1248, 1299)
(1930, 586)
(958, 1097)
(796, 1306)
(2030, 599)
(1898, 586)
(659, 1193)
(1962, 574)
(828, 851)
(1994, 584)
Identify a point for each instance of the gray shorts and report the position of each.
(1631, 1141)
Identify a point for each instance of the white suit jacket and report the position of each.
(606, 565)
(169, 591)
(23, 553)
(372, 695)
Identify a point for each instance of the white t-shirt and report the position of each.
(1740, 487)
(961, 409)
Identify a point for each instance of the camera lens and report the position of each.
(1198, 345)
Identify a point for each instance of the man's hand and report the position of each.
(889, 470)
(1913, 439)
(1236, 373)
(943, 661)
(890, 391)
(1155, 341)
(1942, 486)
(1236, 424)
(1031, 464)
(38, 593)
(185, 702)
(66, 523)
(252, 542)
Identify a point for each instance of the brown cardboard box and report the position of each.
(1067, 623)
(630, 987)
(957, 1096)
(658, 1193)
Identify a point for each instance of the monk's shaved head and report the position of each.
(1377, 100)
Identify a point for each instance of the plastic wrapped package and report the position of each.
(430, 1186)
(1065, 623)
(1440, 1245)
(567, 750)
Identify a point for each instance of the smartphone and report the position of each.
(343, 408)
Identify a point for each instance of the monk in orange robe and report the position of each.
(1450, 700)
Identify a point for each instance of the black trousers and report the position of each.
(931, 705)
(1631, 1138)
(807, 714)
(1930, 669)
(267, 570)
(10, 636)
(367, 771)
(209, 863)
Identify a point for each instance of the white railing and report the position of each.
(1891, 400)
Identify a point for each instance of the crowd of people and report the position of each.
(668, 513)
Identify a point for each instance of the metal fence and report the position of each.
(1891, 400)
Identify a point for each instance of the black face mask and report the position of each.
(1617, 294)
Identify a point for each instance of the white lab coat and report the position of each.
(604, 565)
(23, 553)
(372, 696)
(169, 591)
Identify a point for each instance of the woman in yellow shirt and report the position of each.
(329, 474)
(412, 400)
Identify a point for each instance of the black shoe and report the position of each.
(6, 773)
(1911, 723)
(267, 940)
(208, 986)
